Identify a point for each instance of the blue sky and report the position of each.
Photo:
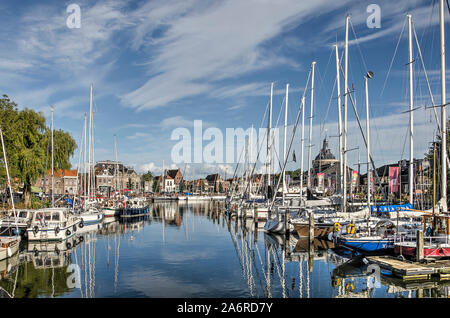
(161, 64)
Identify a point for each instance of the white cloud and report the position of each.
(200, 46)
(138, 135)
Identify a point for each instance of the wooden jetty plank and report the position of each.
(405, 269)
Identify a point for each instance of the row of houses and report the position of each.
(172, 182)
(109, 176)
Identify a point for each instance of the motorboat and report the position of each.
(19, 222)
(53, 224)
(9, 245)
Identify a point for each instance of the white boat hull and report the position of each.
(8, 247)
(53, 234)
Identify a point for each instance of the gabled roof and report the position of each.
(213, 177)
(173, 173)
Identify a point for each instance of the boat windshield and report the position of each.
(23, 214)
(55, 216)
(43, 216)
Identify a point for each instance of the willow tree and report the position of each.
(26, 140)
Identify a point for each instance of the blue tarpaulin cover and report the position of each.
(390, 208)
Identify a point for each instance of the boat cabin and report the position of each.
(50, 216)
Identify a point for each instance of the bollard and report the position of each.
(419, 246)
(311, 227)
(287, 217)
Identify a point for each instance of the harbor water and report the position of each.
(193, 250)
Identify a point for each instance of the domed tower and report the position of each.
(325, 159)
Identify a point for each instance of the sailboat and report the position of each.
(9, 245)
(112, 211)
(90, 213)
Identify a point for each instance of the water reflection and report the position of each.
(194, 250)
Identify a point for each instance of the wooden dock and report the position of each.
(408, 270)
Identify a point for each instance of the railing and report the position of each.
(430, 240)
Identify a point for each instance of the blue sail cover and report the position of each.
(391, 208)
(69, 201)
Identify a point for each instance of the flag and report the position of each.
(354, 178)
(393, 179)
(372, 184)
(293, 157)
(320, 180)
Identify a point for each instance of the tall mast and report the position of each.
(9, 180)
(344, 149)
(285, 134)
(53, 173)
(366, 78)
(269, 139)
(310, 124)
(303, 145)
(443, 109)
(79, 172)
(84, 163)
(411, 106)
(115, 167)
(251, 160)
(338, 85)
(90, 144)
(93, 153)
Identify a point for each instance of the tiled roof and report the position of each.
(63, 173)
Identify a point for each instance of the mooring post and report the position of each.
(287, 217)
(419, 246)
(448, 227)
(311, 227)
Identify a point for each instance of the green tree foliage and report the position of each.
(429, 157)
(155, 185)
(147, 176)
(294, 174)
(35, 282)
(26, 140)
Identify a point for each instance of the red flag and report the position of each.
(393, 179)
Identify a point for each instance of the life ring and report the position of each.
(350, 228)
(56, 230)
(349, 287)
(68, 232)
(337, 227)
(68, 245)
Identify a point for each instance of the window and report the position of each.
(55, 217)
